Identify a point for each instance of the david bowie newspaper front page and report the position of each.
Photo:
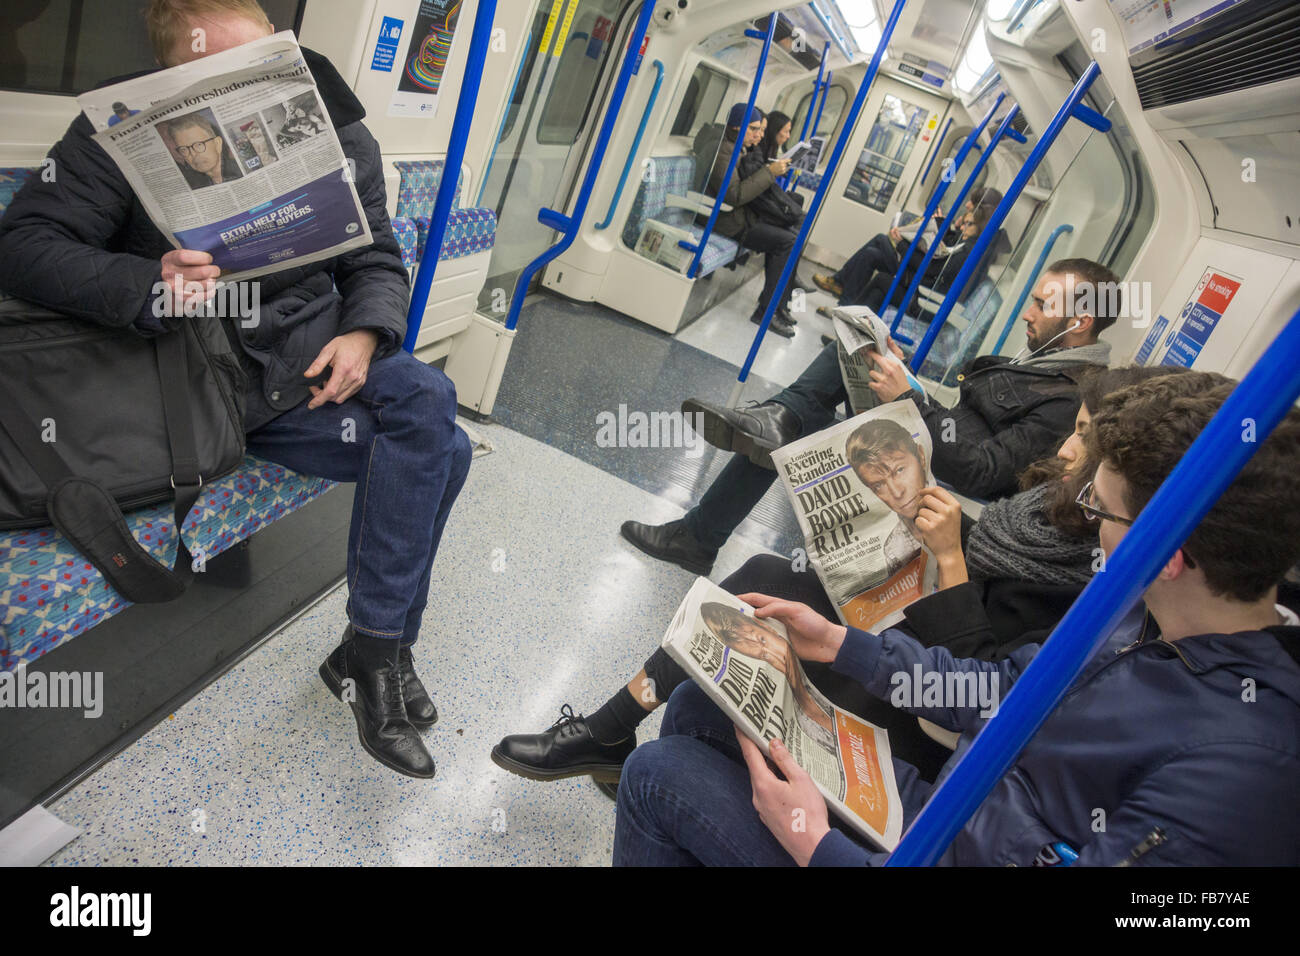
(856, 491)
(234, 154)
(750, 670)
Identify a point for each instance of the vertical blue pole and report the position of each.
(1004, 129)
(933, 204)
(821, 70)
(1072, 107)
(792, 260)
(698, 247)
(469, 84)
(826, 87)
(1206, 470)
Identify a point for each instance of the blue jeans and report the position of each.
(813, 398)
(397, 439)
(686, 800)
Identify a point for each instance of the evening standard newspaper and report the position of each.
(857, 331)
(856, 490)
(749, 669)
(234, 154)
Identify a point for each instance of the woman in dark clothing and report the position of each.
(1009, 578)
(776, 136)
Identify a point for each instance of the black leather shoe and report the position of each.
(672, 542)
(375, 697)
(608, 789)
(778, 325)
(754, 431)
(785, 314)
(419, 706)
(567, 749)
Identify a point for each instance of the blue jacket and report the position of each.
(1153, 734)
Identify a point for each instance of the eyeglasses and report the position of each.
(1092, 513)
(199, 147)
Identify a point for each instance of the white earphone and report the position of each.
(1016, 358)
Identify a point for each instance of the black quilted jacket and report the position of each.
(83, 244)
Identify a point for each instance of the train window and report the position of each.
(889, 144)
(705, 93)
(835, 100)
(581, 61)
(57, 46)
(526, 69)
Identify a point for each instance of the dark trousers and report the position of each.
(878, 255)
(813, 397)
(397, 439)
(775, 242)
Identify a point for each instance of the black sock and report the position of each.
(617, 719)
(375, 652)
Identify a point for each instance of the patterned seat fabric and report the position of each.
(11, 180)
(674, 175)
(49, 593)
(953, 349)
(809, 181)
(468, 230)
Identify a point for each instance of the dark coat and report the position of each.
(750, 180)
(84, 245)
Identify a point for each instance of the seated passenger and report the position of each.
(323, 356)
(762, 217)
(1004, 581)
(883, 252)
(1010, 413)
(1154, 734)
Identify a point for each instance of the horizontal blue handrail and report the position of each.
(460, 125)
(1069, 109)
(636, 144)
(943, 134)
(1205, 472)
(1029, 284)
(567, 226)
(697, 247)
(832, 165)
(1003, 130)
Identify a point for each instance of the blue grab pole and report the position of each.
(636, 144)
(1206, 470)
(567, 226)
(792, 260)
(821, 71)
(465, 102)
(943, 134)
(1063, 115)
(1029, 284)
(697, 248)
(967, 145)
(821, 105)
(1004, 129)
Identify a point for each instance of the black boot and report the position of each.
(419, 706)
(375, 695)
(672, 542)
(778, 325)
(753, 432)
(567, 749)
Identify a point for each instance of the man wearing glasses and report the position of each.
(1178, 745)
(204, 159)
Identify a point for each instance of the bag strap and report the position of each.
(86, 514)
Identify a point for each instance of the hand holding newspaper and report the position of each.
(856, 492)
(857, 331)
(234, 154)
(749, 668)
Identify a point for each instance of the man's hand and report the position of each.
(812, 636)
(793, 808)
(778, 167)
(349, 356)
(888, 378)
(939, 521)
(191, 279)
(895, 234)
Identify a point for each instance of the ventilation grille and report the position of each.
(1249, 45)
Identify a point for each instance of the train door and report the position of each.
(552, 112)
(883, 159)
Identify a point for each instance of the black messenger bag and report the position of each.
(94, 420)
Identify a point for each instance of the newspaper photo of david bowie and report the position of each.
(748, 636)
(885, 458)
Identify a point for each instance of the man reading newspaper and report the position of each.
(321, 351)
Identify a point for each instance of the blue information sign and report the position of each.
(390, 31)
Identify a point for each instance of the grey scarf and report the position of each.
(1014, 539)
(1096, 353)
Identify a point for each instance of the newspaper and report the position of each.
(234, 154)
(855, 488)
(749, 669)
(859, 330)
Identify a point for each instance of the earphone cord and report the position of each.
(1016, 358)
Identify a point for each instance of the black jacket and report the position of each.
(83, 244)
(1007, 417)
(752, 193)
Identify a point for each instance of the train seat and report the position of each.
(961, 336)
(667, 199)
(50, 594)
(462, 261)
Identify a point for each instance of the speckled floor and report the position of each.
(540, 603)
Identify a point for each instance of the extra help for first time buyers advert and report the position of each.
(234, 154)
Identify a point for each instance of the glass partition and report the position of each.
(889, 144)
